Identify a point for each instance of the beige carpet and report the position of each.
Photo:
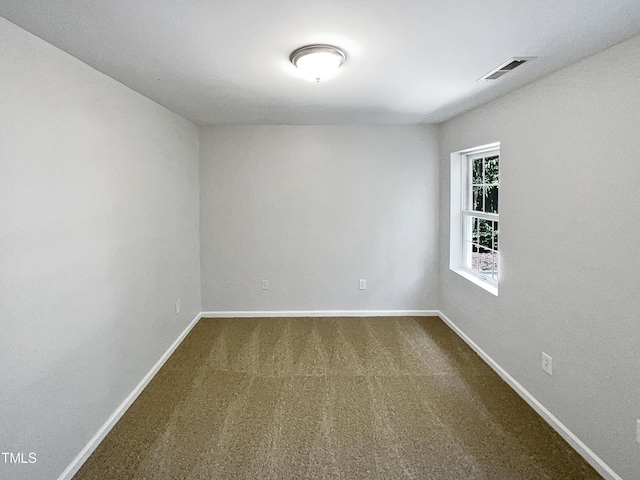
(330, 398)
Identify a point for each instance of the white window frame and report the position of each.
(459, 254)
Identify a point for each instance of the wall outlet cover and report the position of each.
(547, 363)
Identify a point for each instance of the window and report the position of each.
(474, 215)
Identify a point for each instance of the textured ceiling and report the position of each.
(409, 61)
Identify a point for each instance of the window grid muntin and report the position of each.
(483, 252)
(484, 186)
(470, 263)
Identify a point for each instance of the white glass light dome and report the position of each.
(318, 62)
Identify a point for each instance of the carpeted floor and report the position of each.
(330, 398)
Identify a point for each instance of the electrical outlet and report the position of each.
(362, 284)
(265, 284)
(547, 363)
(178, 306)
(638, 431)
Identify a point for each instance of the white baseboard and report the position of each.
(588, 454)
(321, 313)
(77, 462)
(594, 460)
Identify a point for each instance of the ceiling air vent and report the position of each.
(505, 68)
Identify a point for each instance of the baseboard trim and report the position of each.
(594, 460)
(77, 462)
(589, 455)
(320, 313)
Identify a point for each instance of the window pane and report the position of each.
(475, 257)
(478, 197)
(475, 232)
(485, 261)
(468, 255)
(477, 171)
(491, 170)
(495, 236)
(491, 199)
(494, 274)
(485, 233)
(468, 228)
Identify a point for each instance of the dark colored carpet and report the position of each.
(334, 398)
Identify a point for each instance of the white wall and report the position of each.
(569, 230)
(100, 215)
(98, 238)
(313, 209)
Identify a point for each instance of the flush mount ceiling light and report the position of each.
(318, 62)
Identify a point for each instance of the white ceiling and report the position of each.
(409, 61)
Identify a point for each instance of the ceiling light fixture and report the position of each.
(318, 62)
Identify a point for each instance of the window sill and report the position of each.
(493, 289)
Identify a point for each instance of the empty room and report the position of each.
(298, 240)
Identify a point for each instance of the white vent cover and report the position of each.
(506, 67)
